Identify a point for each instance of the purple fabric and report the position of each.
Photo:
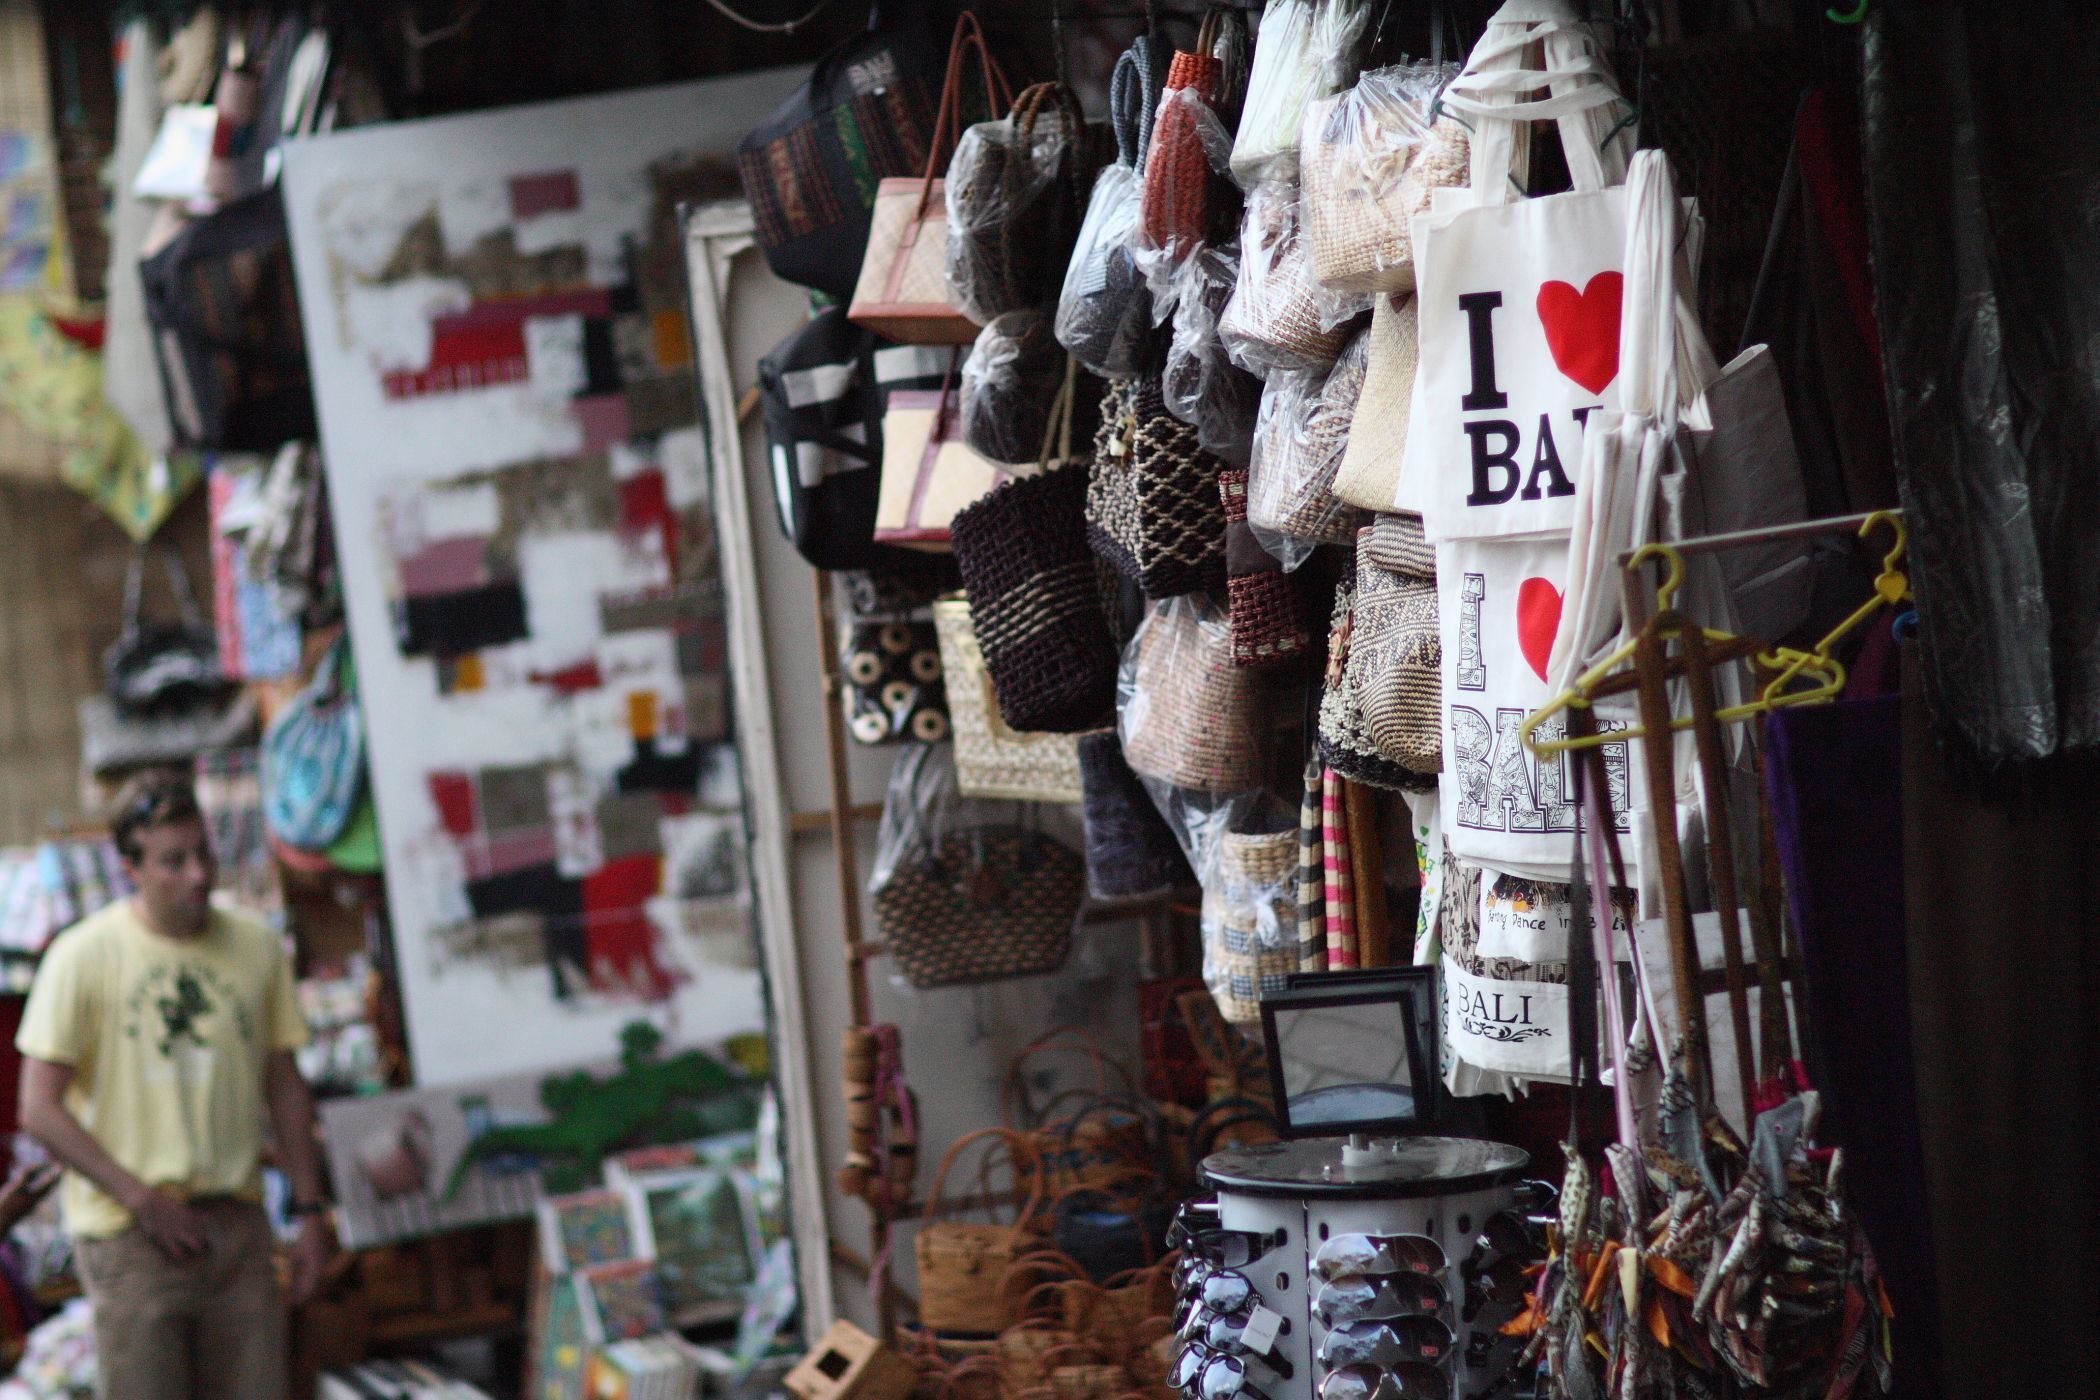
(1835, 776)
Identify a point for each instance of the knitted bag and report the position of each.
(1179, 170)
(1269, 626)
(1104, 311)
(1345, 739)
(1130, 851)
(1394, 668)
(1010, 382)
(1273, 320)
(1152, 504)
(1370, 472)
(1250, 921)
(1012, 191)
(1036, 601)
(1298, 447)
(1371, 161)
(981, 904)
(990, 759)
(1190, 717)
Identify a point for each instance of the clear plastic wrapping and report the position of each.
(1368, 165)
(1299, 440)
(1009, 381)
(1304, 50)
(1200, 384)
(1274, 320)
(1190, 146)
(1104, 314)
(1011, 191)
(1187, 716)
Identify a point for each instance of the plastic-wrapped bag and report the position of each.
(1200, 384)
(1274, 320)
(1304, 50)
(1250, 918)
(1298, 445)
(1152, 508)
(1104, 313)
(1368, 165)
(1190, 146)
(1187, 715)
(1012, 191)
(968, 891)
(1009, 383)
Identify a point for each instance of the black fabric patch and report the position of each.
(453, 624)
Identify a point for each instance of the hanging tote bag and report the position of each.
(981, 904)
(1370, 472)
(1395, 665)
(1189, 143)
(929, 473)
(1305, 50)
(1519, 299)
(992, 760)
(1152, 508)
(1372, 158)
(313, 759)
(811, 168)
(961, 1262)
(1104, 310)
(903, 290)
(159, 668)
(1013, 203)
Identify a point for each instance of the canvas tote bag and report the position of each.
(1519, 299)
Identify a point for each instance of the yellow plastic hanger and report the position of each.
(1891, 586)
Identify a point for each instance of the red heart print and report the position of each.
(1538, 618)
(1582, 328)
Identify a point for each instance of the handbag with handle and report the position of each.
(811, 168)
(992, 760)
(1104, 310)
(1189, 143)
(163, 667)
(313, 758)
(1369, 476)
(903, 290)
(1371, 160)
(962, 1263)
(929, 473)
(1152, 508)
(1013, 203)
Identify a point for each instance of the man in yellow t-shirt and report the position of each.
(157, 1043)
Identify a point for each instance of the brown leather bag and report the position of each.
(903, 289)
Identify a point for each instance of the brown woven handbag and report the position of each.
(1192, 718)
(981, 904)
(903, 288)
(1396, 657)
(962, 1262)
(1269, 623)
(1180, 168)
(1152, 508)
(1013, 204)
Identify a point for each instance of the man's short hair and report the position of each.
(157, 798)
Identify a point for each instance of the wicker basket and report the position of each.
(1193, 718)
(961, 1263)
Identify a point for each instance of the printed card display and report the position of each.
(587, 1229)
(1503, 805)
(1530, 919)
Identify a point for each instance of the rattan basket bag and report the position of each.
(962, 1262)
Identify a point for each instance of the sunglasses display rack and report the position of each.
(1332, 1269)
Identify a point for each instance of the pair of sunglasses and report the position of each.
(1387, 1342)
(1354, 1256)
(1410, 1380)
(1498, 1272)
(1227, 1249)
(1202, 1373)
(1218, 1292)
(1361, 1299)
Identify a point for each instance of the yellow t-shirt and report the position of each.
(169, 1043)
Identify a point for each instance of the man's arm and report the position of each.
(45, 1117)
(292, 1123)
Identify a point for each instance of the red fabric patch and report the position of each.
(645, 506)
(618, 937)
(584, 675)
(453, 792)
(554, 192)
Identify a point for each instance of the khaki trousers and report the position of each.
(211, 1328)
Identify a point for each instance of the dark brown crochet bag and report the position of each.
(1152, 507)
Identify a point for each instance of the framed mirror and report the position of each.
(1353, 1052)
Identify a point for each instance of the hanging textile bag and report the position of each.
(811, 168)
(1104, 310)
(903, 288)
(1200, 384)
(1269, 625)
(1369, 476)
(1299, 439)
(823, 392)
(225, 313)
(1152, 508)
(1130, 851)
(313, 758)
(891, 677)
(1250, 921)
(1345, 743)
(1305, 50)
(992, 760)
(1010, 385)
(1519, 299)
(158, 668)
(1037, 601)
(1013, 196)
(929, 474)
(1189, 717)
(962, 899)
(1275, 320)
(1372, 157)
(1395, 663)
(1189, 143)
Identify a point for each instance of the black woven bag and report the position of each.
(981, 904)
(1153, 510)
(1130, 852)
(1036, 599)
(811, 169)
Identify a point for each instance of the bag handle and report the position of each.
(1132, 97)
(947, 130)
(1020, 1155)
(1057, 433)
(1068, 1039)
(1497, 91)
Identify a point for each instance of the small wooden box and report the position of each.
(848, 1364)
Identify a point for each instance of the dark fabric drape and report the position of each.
(1982, 155)
(1833, 773)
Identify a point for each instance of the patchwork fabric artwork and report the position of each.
(510, 418)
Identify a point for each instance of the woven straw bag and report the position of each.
(992, 760)
(903, 289)
(981, 904)
(1269, 626)
(1180, 169)
(1346, 745)
(1370, 470)
(961, 1263)
(1273, 320)
(1371, 162)
(1304, 430)
(1190, 717)
(1152, 499)
(1012, 200)
(1395, 664)
(1250, 921)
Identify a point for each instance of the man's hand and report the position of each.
(24, 1190)
(312, 1251)
(178, 1230)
